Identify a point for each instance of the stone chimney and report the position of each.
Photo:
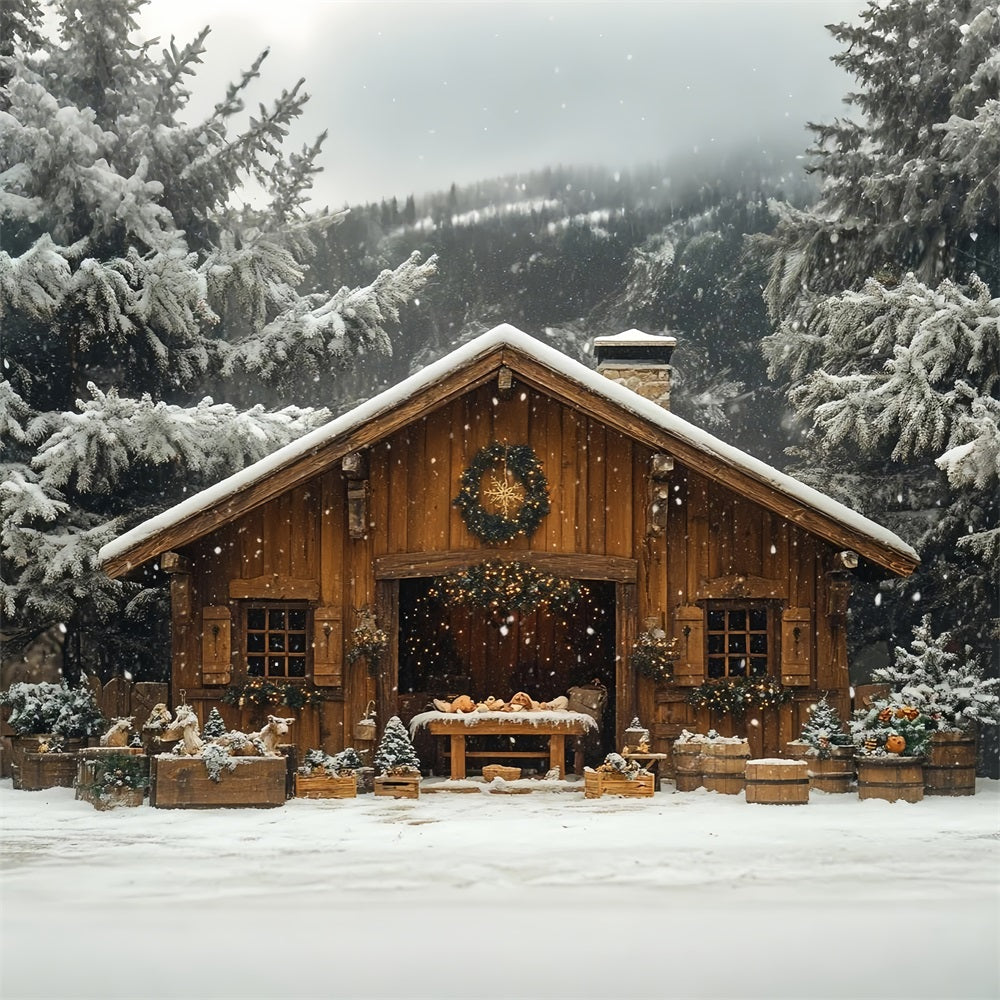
(640, 361)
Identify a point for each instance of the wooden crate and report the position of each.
(777, 782)
(320, 785)
(91, 764)
(184, 783)
(37, 771)
(598, 783)
(891, 778)
(398, 786)
(491, 771)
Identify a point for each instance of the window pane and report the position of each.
(716, 621)
(716, 667)
(276, 666)
(255, 642)
(255, 618)
(737, 666)
(297, 620)
(716, 643)
(737, 643)
(758, 620)
(276, 642)
(255, 666)
(738, 620)
(276, 619)
(297, 642)
(758, 643)
(296, 666)
(758, 666)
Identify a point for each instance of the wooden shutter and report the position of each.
(689, 630)
(216, 644)
(328, 647)
(796, 646)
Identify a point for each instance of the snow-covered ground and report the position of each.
(469, 896)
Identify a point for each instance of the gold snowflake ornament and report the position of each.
(505, 496)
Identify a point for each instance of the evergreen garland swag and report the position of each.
(653, 655)
(504, 588)
(492, 526)
(260, 693)
(735, 695)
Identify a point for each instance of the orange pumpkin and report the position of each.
(895, 743)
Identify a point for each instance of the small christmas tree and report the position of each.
(214, 726)
(948, 687)
(395, 753)
(824, 731)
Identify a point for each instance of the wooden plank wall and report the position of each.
(598, 483)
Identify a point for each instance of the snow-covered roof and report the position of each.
(559, 364)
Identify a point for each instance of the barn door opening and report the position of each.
(448, 650)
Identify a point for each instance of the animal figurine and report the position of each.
(118, 734)
(185, 727)
(260, 744)
(159, 719)
(270, 735)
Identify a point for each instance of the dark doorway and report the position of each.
(457, 650)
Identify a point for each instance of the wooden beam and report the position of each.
(174, 562)
(410, 565)
(274, 587)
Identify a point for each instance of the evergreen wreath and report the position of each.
(493, 526)
(735, 696)
(653, 655)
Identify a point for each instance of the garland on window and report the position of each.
(503, 588)
(520, 508)
(259, 692)
(736, 695)
(653, 654)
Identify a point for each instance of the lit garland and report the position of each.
(500, 526)
(653, 655)
(736, 695)
(259, 692)
(503, 588)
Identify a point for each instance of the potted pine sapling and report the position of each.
(618, 776)
(827, 748)
(51, 723)
(950, 689)
(397, 767)
(890, 738)
(325, 776)
(116, 776)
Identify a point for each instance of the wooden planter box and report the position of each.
(320, 785)
(598, 783)
(777, 783)
(184, 783)
(36, 771)
(723, 766)
(950, 768)
(91, 764)
(398, 786)
(891, 778)
(492, 771)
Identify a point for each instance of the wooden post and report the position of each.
(387, 681)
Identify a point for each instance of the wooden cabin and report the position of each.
(507, 451)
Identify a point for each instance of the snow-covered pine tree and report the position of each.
(131, 285)
(214, 725)
(885, 298)
(824, 730)
(948, 686)
(395, 753)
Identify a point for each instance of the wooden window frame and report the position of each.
(772, 655)
(267, 606)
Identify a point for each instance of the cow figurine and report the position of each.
(118, 734)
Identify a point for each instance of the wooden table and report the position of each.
(556, 726)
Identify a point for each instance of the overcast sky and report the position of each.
(417, 94)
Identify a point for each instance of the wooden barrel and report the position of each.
(891, 778)
(723, 766)
(835, 774)
(950, 768)
(777, 782)
(687, 766)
